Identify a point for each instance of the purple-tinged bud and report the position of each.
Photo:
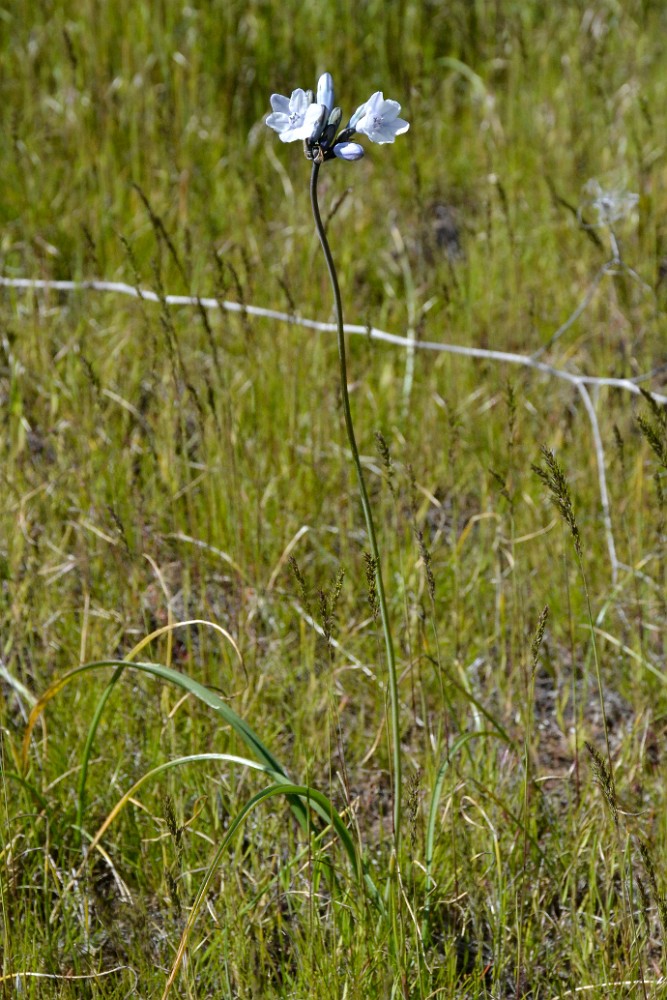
(346, 134)
(318, 127)
(348, 150)
(325, 91)
(329, 131)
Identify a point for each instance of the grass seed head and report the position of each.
(301, 584)
(604, 778)
(659, 897)
(385, 455)
(425, 554)
(539, 636)
(371, 584)
(554, 479)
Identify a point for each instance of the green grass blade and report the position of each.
(186, 683)
(437, 792)
(312, 798)
(88, 747)
(167, 766)
(99, 711)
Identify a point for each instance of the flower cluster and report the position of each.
(316, 122)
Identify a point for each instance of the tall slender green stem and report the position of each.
(368, 515)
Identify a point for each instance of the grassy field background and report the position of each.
(160, 464)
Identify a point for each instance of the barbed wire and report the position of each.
(580, 381)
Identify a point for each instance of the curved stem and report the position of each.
(370, 527)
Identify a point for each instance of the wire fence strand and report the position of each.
(580, 381)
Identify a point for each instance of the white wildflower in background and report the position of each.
(610, 204)
(316, 122)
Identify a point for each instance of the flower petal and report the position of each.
(298, 101)
(278, 121)
(358, 115)
(390, 110)
(280, 103)
(374, 101)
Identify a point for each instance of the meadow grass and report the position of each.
(163, 464)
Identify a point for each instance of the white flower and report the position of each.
(378, 119)
(325, 92)
(294, 117)
(612, 204)
(316, 121)
(348, 150)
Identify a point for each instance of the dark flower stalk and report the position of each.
(315, 120)
(365, 503)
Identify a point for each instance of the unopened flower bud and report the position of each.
(346, 134)
(325, 91)
(319, 124)
(329, 132)
(348, 150)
